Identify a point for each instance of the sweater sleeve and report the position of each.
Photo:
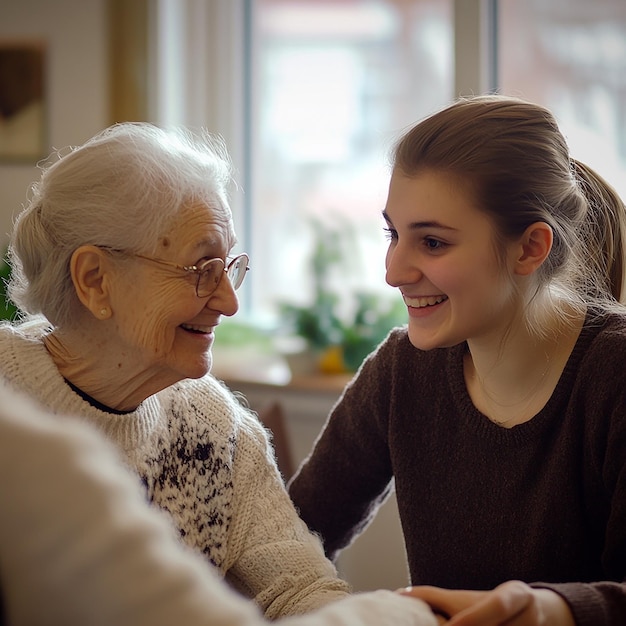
(273, 557)
(348, 475)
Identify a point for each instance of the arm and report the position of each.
(79, 544)
(339, 487)
(273, 557)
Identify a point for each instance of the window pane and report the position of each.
(334, 84)
(570, 55)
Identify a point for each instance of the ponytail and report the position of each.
(603, 235)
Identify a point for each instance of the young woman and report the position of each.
(499, 412)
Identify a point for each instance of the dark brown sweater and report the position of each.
(543, 502)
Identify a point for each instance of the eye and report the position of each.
(434, 245)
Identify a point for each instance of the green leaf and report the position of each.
(8, 311)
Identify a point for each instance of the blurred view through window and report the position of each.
(334, 84)
(570, 55)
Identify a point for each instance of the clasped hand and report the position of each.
(512, 603)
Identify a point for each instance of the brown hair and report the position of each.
(516, 163)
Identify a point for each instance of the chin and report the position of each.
(424, 341)
(423, 345)
(200, 369)
(426, 344)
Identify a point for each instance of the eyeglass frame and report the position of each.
(195, 269)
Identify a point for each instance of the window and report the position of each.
(311, 94)
(335, 83)
(570, 55)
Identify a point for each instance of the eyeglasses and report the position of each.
(210, 271)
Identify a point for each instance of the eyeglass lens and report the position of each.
(211, 274)
(236, 271)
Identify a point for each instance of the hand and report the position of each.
(513, 603)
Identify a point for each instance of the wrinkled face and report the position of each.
(442, 258)
(162, 326)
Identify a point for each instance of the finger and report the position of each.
(476, 617)
(444, 601)
(504, 605)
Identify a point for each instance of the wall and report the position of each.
(75, 32)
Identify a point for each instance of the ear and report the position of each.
(535, 245)
(90, 270)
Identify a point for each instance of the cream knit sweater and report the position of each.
(207, 462)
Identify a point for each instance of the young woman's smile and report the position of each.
(419, 306)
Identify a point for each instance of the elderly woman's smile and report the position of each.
(203, 330)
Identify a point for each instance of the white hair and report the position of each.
(119, 189)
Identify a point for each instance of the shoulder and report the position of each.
(397, 339)
(597, 401)
(210, 402)
(606, 342)
(213, 413)
(32, 329)
(612, 325)
(396, 343)
(395, 369)
(24, 357)
(600, 387)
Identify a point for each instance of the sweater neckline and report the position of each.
(31, 368)
(95, 403)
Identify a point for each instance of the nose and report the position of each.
(400, 270)
(224, 298)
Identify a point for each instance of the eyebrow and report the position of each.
(419, 225)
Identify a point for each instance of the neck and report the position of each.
(512, 379)
(90, 364)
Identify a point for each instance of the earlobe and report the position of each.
(89, 268)
(536, 243)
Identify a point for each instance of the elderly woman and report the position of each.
(121, 261)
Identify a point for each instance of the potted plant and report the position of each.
(337, 332)
(8, 311)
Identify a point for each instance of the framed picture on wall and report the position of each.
(22, 101)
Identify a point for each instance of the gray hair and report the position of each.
(119, 190)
